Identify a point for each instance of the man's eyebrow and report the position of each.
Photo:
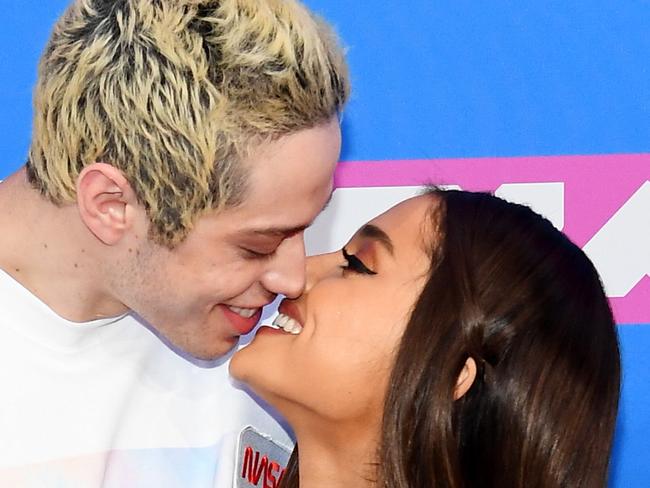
(277, 231)
(371, 231)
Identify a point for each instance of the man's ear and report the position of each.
(465, 379)
(106, 201)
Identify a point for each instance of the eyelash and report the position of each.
(355, 264)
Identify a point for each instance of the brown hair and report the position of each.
(175, 93)
(512, 292)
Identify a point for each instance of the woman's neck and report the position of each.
(342, 459)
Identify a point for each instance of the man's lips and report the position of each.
(241, 325)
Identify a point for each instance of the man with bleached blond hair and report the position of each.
(180, 148)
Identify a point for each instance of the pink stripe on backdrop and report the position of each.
(635, 307)
(595, 187)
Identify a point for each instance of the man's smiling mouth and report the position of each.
(247, 313)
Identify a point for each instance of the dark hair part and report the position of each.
(512, 292)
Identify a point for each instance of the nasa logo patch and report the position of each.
(261, 462)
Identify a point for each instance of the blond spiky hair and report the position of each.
(174, 93)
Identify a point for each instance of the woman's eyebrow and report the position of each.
(373, 232)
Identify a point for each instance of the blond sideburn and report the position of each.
(175, 94)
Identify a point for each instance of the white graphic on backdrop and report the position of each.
(546, 199)
(621, 248)
(348, 210)
(352, 207)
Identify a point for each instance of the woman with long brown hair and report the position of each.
(458, 341)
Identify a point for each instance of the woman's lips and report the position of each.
(290, 310)
(264, 330)
(289, 318)
(241, 325)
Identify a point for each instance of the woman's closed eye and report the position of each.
(355, 264)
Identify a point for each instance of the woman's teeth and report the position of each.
(247, 313)
(287, 324)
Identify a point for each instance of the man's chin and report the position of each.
(213, 355)
(206, 354)
(223, 351)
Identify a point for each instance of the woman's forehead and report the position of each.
(409, 224)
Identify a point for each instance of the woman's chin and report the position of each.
(266, 367)
(253, 357)
(240, 366)
(250, 366)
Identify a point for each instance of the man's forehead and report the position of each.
(280, 230)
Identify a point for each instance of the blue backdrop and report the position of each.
(455, 79)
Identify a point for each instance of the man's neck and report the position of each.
(49, 251)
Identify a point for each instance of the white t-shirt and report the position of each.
(107, 404)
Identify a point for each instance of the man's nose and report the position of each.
(320, 267)
(286, 276)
